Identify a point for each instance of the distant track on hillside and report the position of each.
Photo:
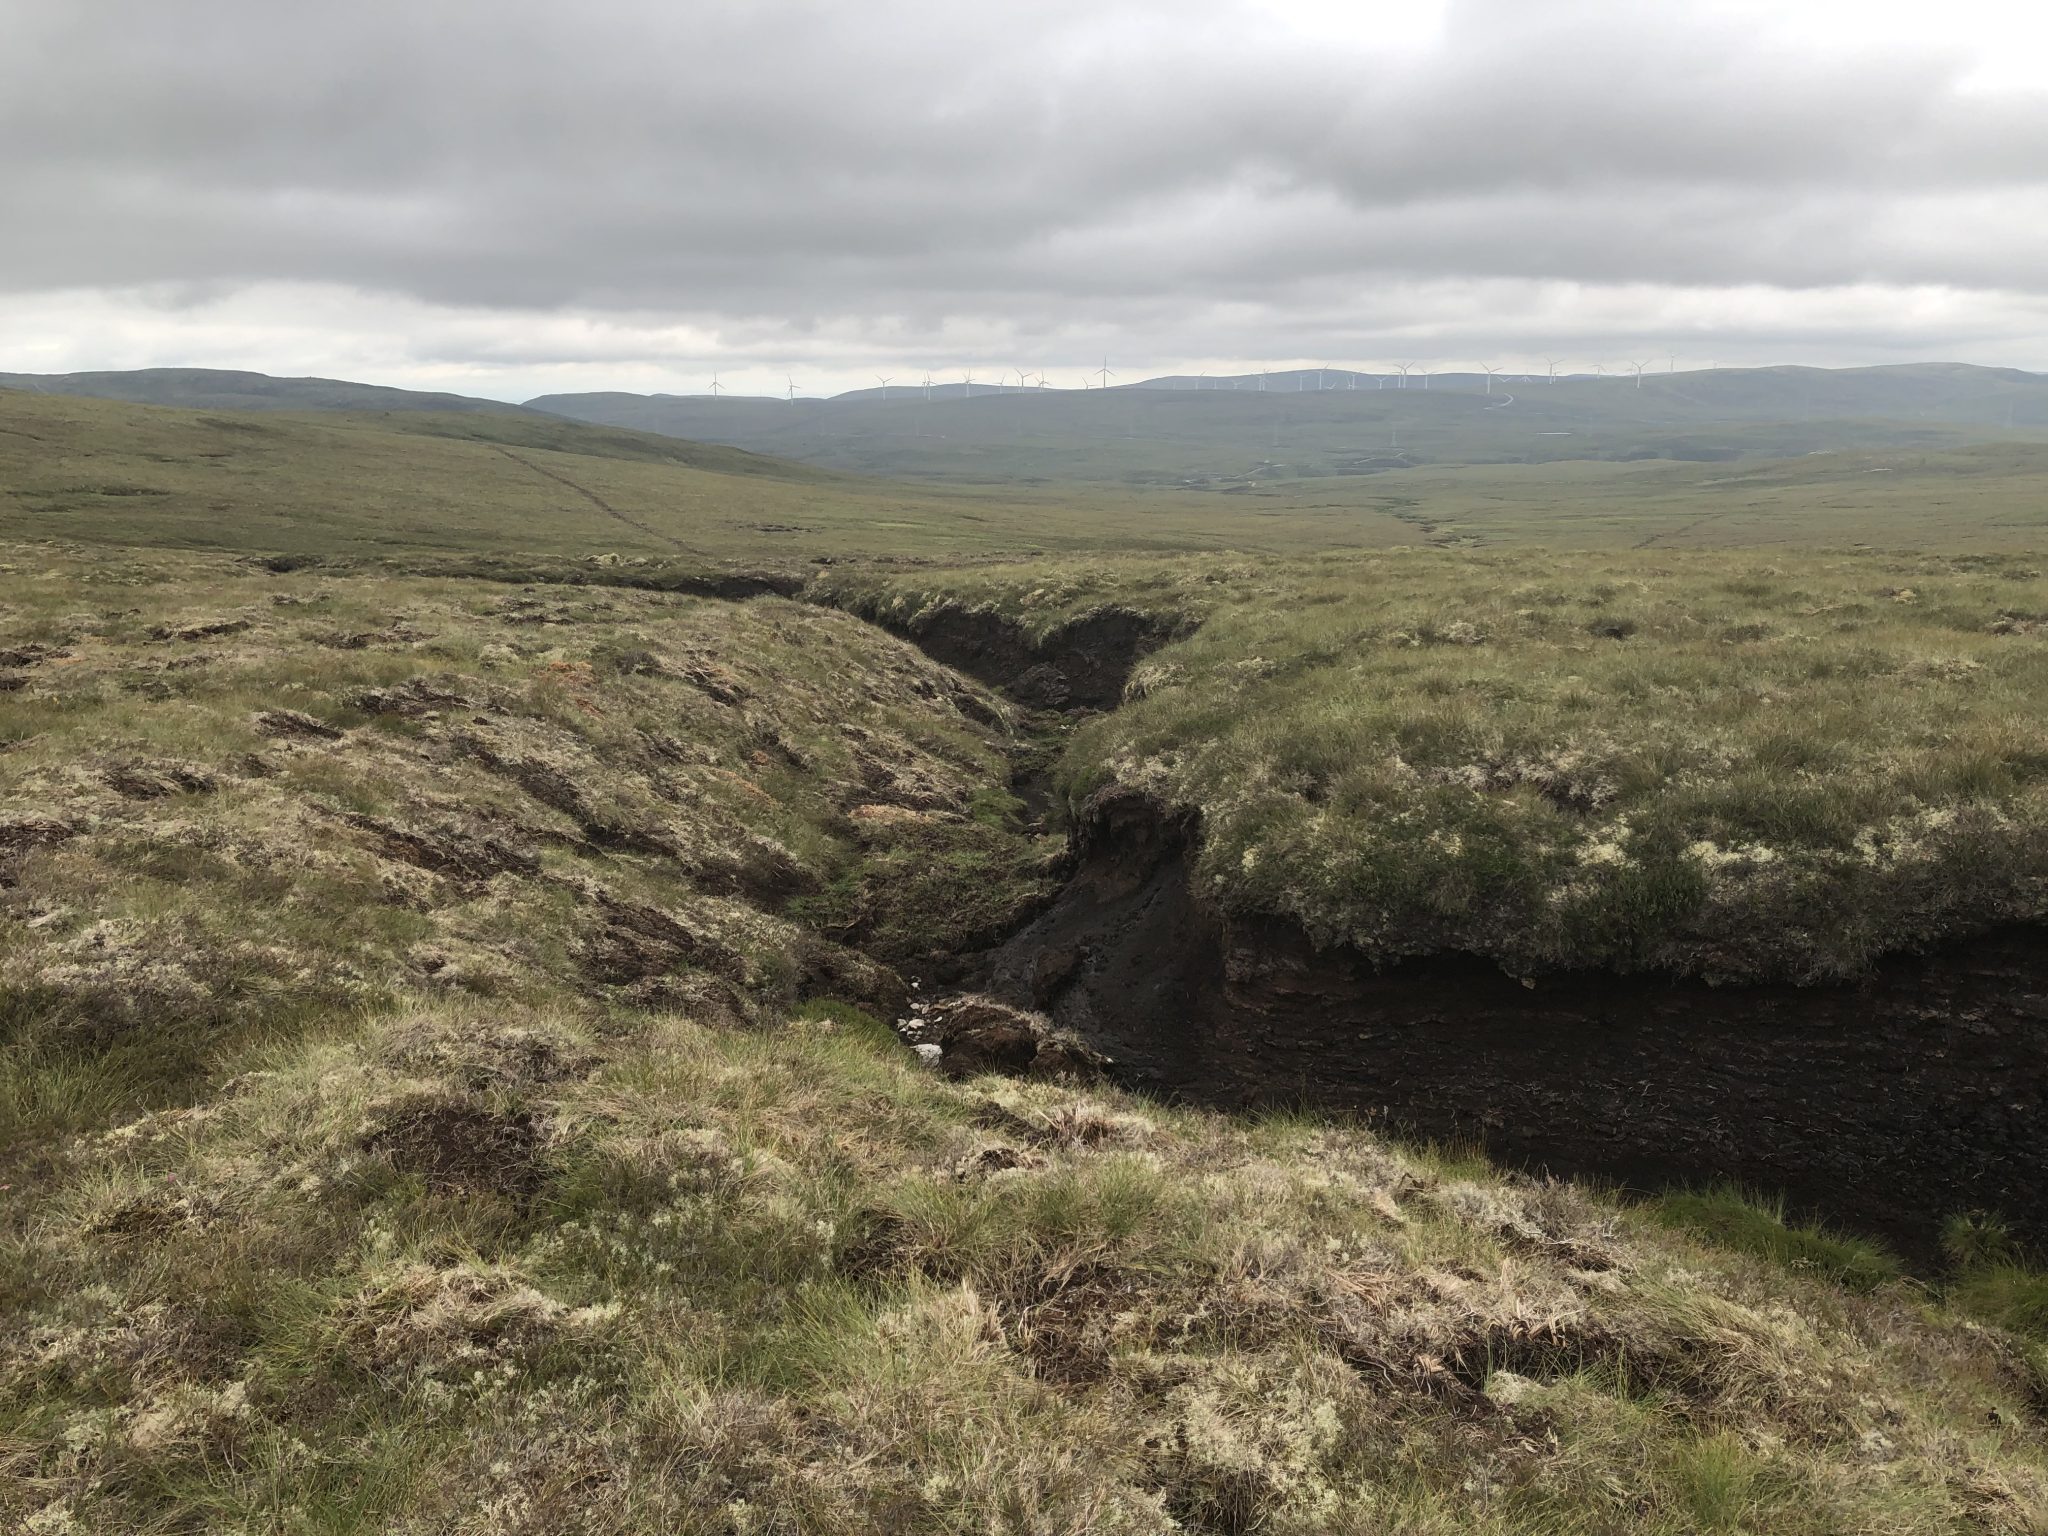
(1651, 540)
(594, 499)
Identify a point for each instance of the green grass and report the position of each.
(508, 493)
(1636, 759)
(416, 487)
(784, 1275)
(453, 1123)
(438, 1089)
(192, 871)
(1239, 442)
(1750, 1223)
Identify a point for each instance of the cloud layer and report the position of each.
(520, 195)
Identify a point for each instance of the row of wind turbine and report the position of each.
(1099, 378)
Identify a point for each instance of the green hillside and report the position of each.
(468, 486)
(221, 389)
(1229, 437)
(418, 485)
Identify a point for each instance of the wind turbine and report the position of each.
(1023, 380)
(1403, 369)
(1490, 372)
(927, 386)
(717, 388)
(967, 378)
(1262, 378)
(1425, 374)
(1106, 373)
(1553, 367)
(885, 383)
(792, 390)
(1639, 367)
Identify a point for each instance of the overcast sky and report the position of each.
(508, 197)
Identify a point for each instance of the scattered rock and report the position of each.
(976, 1034)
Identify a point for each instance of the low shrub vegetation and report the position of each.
(1707, 764)
(428, 1108)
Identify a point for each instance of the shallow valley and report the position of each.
(546, 1031)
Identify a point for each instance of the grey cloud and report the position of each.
(1034, 166)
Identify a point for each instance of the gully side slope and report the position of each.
(1660, 867)
(415, 1122)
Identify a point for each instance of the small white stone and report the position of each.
(928, 1054)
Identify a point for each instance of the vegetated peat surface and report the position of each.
(1651, 866)
(447, 1082)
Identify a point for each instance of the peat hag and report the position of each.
(1083, 664)
(1888, 1104)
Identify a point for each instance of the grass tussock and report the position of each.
(1699, 763)
(1756, 1224)
(734, 1281)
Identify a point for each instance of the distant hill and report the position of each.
(221, 389)
(1228, 431)
(515, 492)
(515, 488)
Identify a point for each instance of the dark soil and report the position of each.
(464, 1148)
(1083, 665)
(1885, 1106)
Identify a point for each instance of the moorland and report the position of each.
(463, 871)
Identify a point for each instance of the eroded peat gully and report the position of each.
(1886, 1105)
